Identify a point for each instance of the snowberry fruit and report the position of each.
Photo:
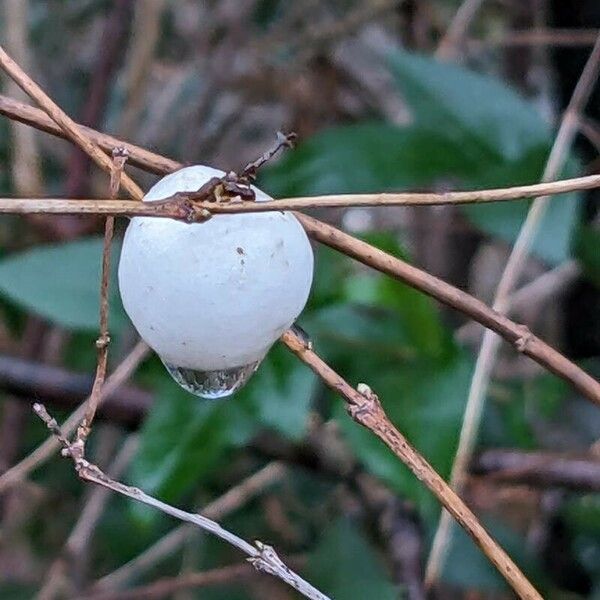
(211, 298)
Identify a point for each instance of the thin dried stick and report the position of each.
(490, 344)
(177, 208)
(366, 409)
(34, 117)
(84, 429)
(89, 516)
(232, 500)
(45, 450)
(71, 129)
(512, 332)
(456, 30)
(261, 556)
(517, 335)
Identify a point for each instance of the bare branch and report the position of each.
(71, 129)
(365, 408)
(34, 117)
(83, 431)
(490, 344)
(232, 500)
(261, 556)
(198, 210)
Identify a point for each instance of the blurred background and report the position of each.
(384, 95)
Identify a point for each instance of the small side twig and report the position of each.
(83, 431)
(232, 500)
(261, 556)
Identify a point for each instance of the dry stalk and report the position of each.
(509, 279)
(185, 207)
(261, 556)
(232, 500)
(83, 431)
(364, 407)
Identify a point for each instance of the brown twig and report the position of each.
(194, 209)
(62, 388)
(81, 533)
(538, 37)
(232, 500)
(34, 117)
(45, 450)
(261, 556)
(459, 25)
(83, 431)
(517, 335)
(71, 129)
(366, 409)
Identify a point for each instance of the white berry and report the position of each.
(213, 296)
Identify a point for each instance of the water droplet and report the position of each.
(212, 384)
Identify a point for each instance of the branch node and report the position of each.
(367, 406)
(523, 340)
(267, 560)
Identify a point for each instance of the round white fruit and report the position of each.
(218, 294)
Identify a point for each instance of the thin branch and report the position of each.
(178, 207)
(63, 388)
(109, 57)
(71, 129)
(34, 117)
(25, 164)
(84, 429)
(47, 449)
(232, 500)
(510, 276)
(518, 335)
(538, 37)
(261, 556)
(580, 473)
(366, 409)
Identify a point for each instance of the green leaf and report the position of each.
(345, 567)
(587, 251)
(62, 283)
(467, 106)
(367, 157)
(491, 123)
(281, 393)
